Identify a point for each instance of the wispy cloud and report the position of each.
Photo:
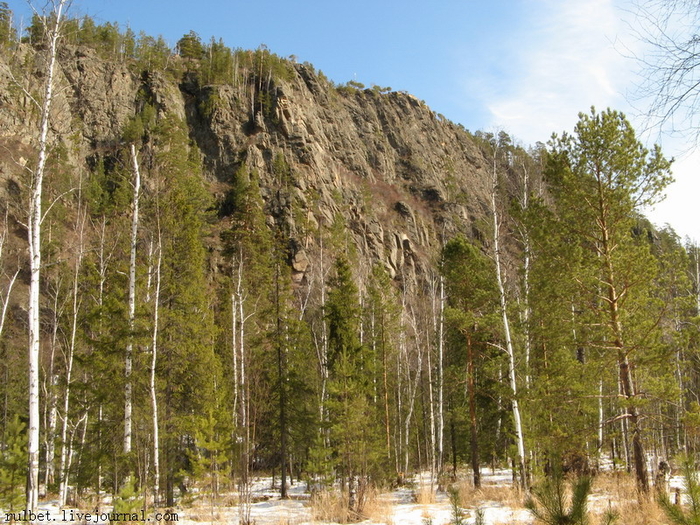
(563, 60)
(565, 57)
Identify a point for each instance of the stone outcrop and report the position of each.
(400, 176)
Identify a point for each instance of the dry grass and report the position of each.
(332, 506)
(204, 515)
(618, 491)
(508, 496)
(377, 508)
(425, 495)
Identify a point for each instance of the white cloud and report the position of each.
(568, 56)
(680, 209)
(564, 62)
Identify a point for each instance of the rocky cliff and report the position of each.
(399, 175)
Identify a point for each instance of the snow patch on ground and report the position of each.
(401, 505)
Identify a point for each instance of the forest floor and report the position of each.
(499, 501)
(413, 504)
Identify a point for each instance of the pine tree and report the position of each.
(600, 177)
(7, 31)
(353, 419)
(472, 294)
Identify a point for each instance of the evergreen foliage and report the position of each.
(341, 373)
(190, 46)
(599, 178)
(551, 504)
(7, 30)
(128, 500)
(13, 465)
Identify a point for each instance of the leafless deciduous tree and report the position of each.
(34, 238)
(669, 88)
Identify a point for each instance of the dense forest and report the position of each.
(216, 262)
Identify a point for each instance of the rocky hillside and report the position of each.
(397, 173)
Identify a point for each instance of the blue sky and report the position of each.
(525, 66)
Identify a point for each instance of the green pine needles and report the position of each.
(551, 504)
(458, 517)
(13, 465)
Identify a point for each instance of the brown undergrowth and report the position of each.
(332, 506)
(618, 491)
(508, 496)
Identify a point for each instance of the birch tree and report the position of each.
(66, 450)
(34, 239)
(154, 360)
(128, 388)
(669, 63)
(509, 348)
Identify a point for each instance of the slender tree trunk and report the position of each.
(324, 345)
(34, 238)
(152, 383)
(65, 452)
(412, 391)
(441, 377)
(282, 376)
(51, 408)
(234, 355)
(472, 413)
(615, 324)
(11, 284)
(128, 387)
(431, 407)
(520, 440)
(601, 420)
(527, 313)
(385, 381)
(63, 490)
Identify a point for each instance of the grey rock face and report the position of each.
(398, 176)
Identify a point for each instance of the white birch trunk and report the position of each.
(324, 343)
(128, 387)
(11, 284)
(601, 420)
(412, 391)
(65, 452)
(152, 384)
(63, 489)
(441, 388)
(520, 440)
(34, 238)
(431, 405)
(527, 314)
(234, 352)
(51, 408)
(241, 345)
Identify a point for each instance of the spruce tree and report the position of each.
(190, 369)
(353, 418)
